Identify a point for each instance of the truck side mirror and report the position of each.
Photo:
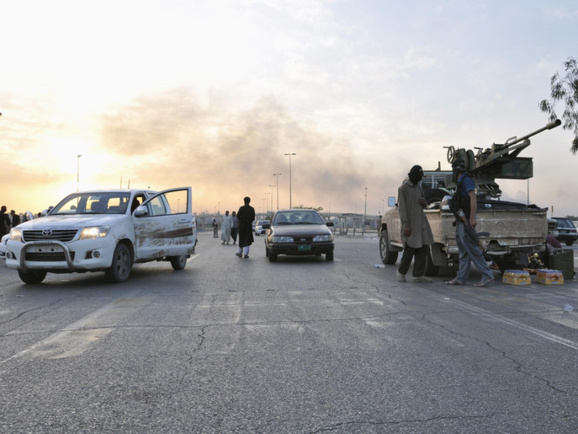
(391, 201)
(141, 211)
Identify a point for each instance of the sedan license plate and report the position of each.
(304, 247)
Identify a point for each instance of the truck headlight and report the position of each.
(93, 233)
(321, 238)
(16, 234)
(276, 239)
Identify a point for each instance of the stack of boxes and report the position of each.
(549, 277)
(516, 277)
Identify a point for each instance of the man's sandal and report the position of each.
(454, 282)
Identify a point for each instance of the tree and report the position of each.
(565, 89)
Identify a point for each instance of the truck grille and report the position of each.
(47, 256)
(64, 235)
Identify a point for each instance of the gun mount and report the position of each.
(500, 161)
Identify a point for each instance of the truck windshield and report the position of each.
(93, 203)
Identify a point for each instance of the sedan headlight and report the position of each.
(93, 233)
(321, 238)
(16, 234)
(277, 239)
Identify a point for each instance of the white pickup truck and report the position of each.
(106, 230)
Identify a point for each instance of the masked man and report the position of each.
(416, 233)
(465, 204)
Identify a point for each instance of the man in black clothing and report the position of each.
(245, 215)
(4, 221)
(15, 218)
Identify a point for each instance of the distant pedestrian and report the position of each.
(416, 233)
(235, 228)
(4, 221)
(215, 229)
(15, 218)
(226, 226)
(246, 215)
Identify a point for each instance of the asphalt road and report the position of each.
(298, 346)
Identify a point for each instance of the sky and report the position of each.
(213, 93)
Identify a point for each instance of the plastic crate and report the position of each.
(516, 277)
(549, 277)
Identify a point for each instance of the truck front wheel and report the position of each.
(387, 256)
(32, 277)
(121, 266)
(178, 262)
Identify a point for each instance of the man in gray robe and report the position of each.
(226, 227)
(416, 233)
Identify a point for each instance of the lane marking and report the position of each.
(519, 325)
(85, 331)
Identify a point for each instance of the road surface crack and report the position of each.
(519, 367)
(357, 425)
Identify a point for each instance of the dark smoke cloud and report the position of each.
(170, 139)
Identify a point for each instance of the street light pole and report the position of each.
(271, 185)
(364, 212)
(78, 172)
(290, 154)
(267, 198)
(277, 176)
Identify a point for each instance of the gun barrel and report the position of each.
(553, 124)
(549, 126)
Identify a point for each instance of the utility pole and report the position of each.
(364, 212)
(78, 172)
(277, 176)
(290, 154)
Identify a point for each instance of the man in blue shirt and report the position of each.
(468, 247)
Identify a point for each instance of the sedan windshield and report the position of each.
(305, 217)
(93, 203)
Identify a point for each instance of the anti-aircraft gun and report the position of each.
(513, 232)
(500, 161)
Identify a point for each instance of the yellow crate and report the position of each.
(550, 277)
(516, 277)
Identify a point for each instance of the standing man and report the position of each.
(226, 226)
(465, 205)
(235, 228)
(15, 218)
(4, 221)
(416, 233)
(245, 215)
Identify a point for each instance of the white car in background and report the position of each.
(106, 231)
(259, 230)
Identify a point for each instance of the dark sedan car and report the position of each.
(566, 231)
(298, 232)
